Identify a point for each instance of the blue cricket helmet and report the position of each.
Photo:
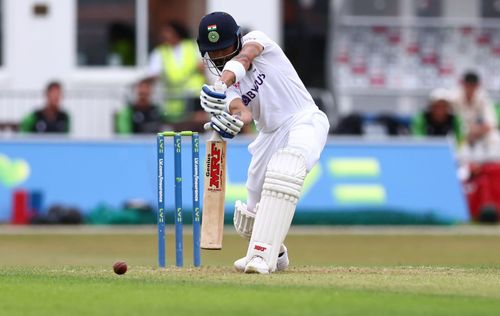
(217, 30)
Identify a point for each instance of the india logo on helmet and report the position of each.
(213, 36)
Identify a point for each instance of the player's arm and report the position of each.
(487, 123)
(212, 97)
(248, 53)
(238, 109)
(229, 124)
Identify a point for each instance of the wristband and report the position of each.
(236, 68)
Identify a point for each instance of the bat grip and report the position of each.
(215, 136)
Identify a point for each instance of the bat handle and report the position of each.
(215, 136)
(208, 126)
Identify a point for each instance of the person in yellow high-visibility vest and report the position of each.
(177, 61)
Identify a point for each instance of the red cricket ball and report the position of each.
(120, 267)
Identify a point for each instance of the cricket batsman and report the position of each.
(256, 81)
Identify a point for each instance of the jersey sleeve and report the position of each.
(68, 122)
(124, 121)
(458, 129)
(28, 123)
(418, 125)
(259, 38)
(488, 112)
(232, 93)
(155, 65)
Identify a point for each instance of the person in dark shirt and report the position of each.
(438, 119)
(141, 116)
(49, 119)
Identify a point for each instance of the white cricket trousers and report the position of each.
(306, 132)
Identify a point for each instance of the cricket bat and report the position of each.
(212, 223)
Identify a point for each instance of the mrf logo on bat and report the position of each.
(214, 170)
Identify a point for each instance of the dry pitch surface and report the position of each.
(334, 271)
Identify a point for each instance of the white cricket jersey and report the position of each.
(271, 89)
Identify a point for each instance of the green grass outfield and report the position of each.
(334, 271)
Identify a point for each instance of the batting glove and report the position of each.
(226, 125)
(213, 98)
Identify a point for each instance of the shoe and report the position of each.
(283, 261)
(257, 265)
(281, 264)
(240, 264)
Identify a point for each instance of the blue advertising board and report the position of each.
(410, 178)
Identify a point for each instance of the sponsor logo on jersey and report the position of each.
(250, 95)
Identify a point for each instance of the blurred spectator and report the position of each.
(378, 124)
(122, 45)
(351, 124)
(49, 119)
(178, 63)
(438, 118)
(141, 115)
(476, 110)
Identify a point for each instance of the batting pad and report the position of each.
(285, 176)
